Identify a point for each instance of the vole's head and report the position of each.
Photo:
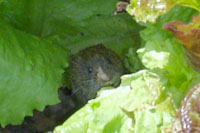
(92, 69)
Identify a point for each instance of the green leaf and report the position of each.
(118, 33)
(74, 24)
(132, 106)
(178, 73)
(132, 61)
(188, 35)
(145, 119)
(65, 24)
(31, 71)
(191, 3)
(153, 59)
(150, 10)
(44, 17)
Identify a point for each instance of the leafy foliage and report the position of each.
(31, 71)
(189, 35)
(132, 106)
(147, 111)
(177, 74)
(153, 59)
(74, 24)
(44, 18)
(150, 10)
(36, 39)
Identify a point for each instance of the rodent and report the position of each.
(90, 70)
(93, 68)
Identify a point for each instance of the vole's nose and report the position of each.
(102, 75)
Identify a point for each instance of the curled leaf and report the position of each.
(189, 35)
(149, 10)
(153, 59)
(189, 112)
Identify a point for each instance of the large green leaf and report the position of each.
(116, 32)
(30, 73)
(75, 24)
(44, 17)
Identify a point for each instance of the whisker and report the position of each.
(87, 81)
(82, 83)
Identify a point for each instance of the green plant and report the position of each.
(36, 39)
(38, 36)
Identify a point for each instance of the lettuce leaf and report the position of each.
(153, 59)
(187, 116)
(149, 101)
(31, 71)
(188, 34)
(136, 105)
(145, 101)
(178, 74)
(44, 18)
(74, 24)
(150, 10)
(54, 30)
(118, 33)
(132, 61)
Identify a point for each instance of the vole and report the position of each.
(93, 68)
(90, 70)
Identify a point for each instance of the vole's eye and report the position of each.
(90, 69)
